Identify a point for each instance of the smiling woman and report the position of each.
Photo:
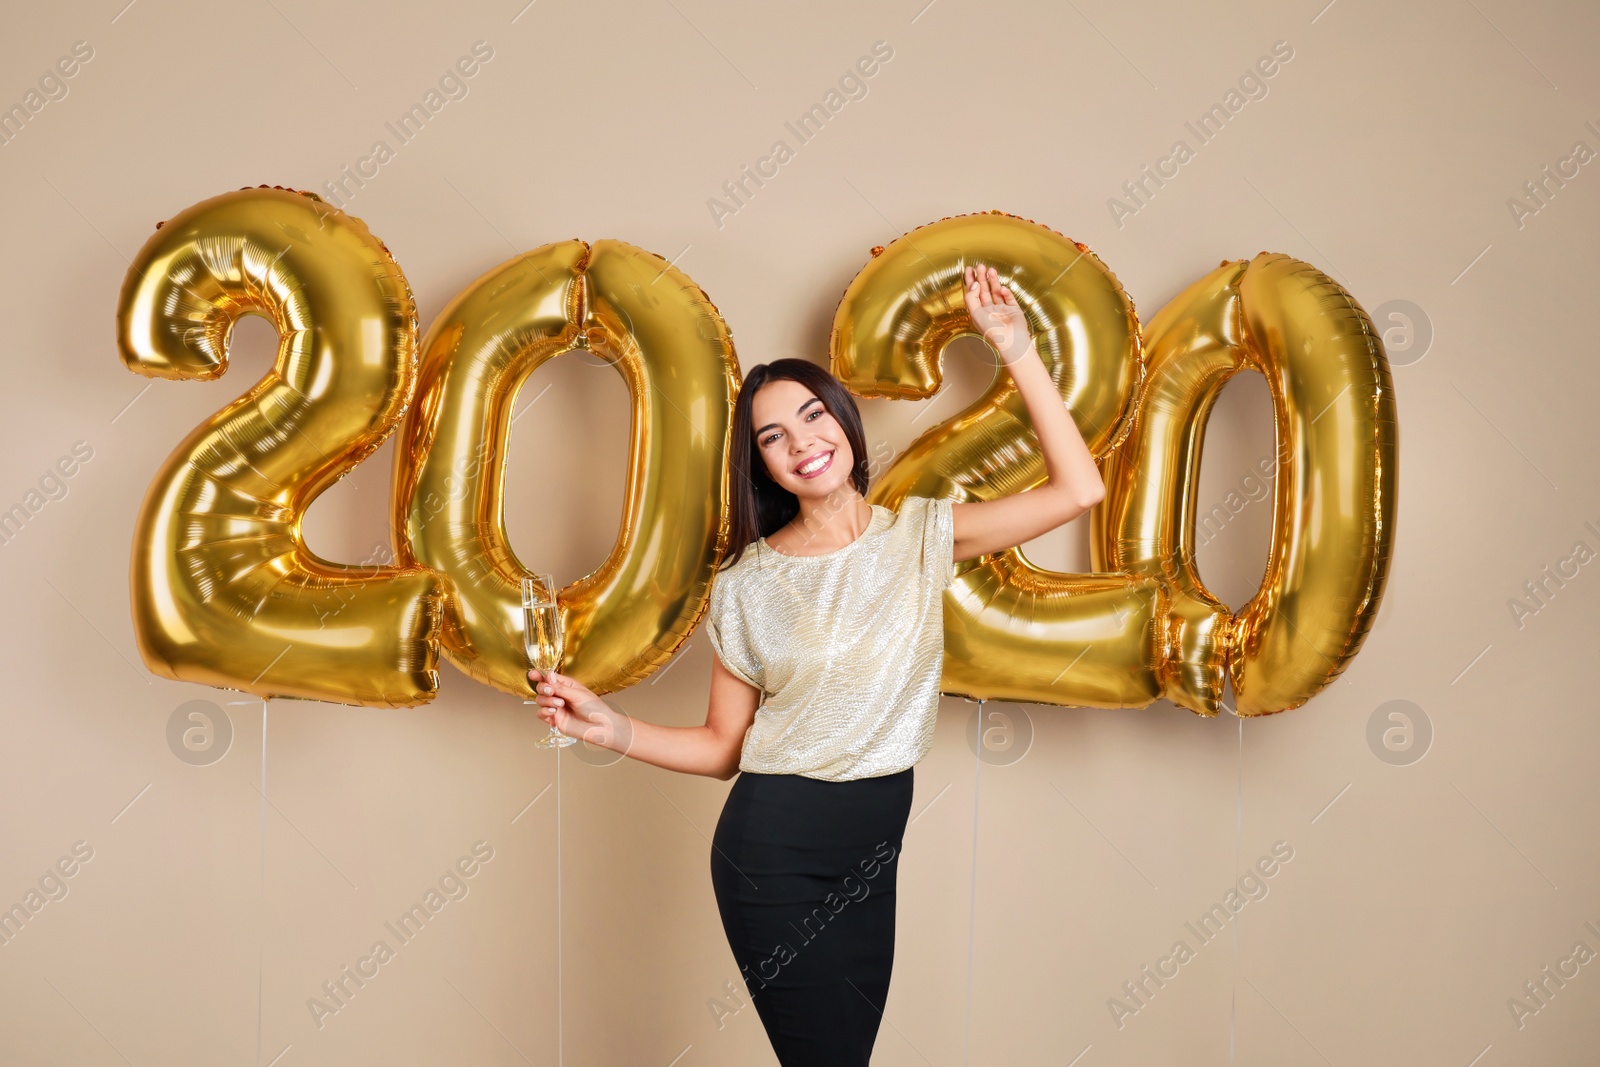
(827, 620)
(780, 402)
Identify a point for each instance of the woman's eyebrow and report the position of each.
(802, 407)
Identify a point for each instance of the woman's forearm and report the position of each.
(1068, 462)
(687, 749)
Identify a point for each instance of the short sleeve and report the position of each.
(730, 636)
(938, 541)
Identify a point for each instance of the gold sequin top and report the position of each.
(847, 647)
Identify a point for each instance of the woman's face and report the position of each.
(803, 445)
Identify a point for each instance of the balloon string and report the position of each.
(972, 896)
(1238, 832)
(560, 1036)
(262, 911)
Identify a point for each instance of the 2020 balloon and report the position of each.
(224, 590)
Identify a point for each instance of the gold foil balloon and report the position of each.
(1335, 506)
(661, 333)
(1145, 525)
(224, 590)
(1012, 631)
(1334, 476)
(1334, 473)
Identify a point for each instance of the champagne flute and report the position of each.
(542, 635)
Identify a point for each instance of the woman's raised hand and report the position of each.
(568, 705)
(996, 315)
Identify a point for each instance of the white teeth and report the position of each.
(815, 464)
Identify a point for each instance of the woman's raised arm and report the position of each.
(1074, 484)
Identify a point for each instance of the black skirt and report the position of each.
(804, 872)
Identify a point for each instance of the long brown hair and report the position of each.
(758, 505)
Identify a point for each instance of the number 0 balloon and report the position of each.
(650, 322)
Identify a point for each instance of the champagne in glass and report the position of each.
(542, 638)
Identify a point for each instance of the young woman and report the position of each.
(827, 624)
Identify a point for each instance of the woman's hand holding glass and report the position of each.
(572, 709)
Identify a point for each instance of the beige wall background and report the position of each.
(1424, 890)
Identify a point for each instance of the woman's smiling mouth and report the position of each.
(815, 466)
